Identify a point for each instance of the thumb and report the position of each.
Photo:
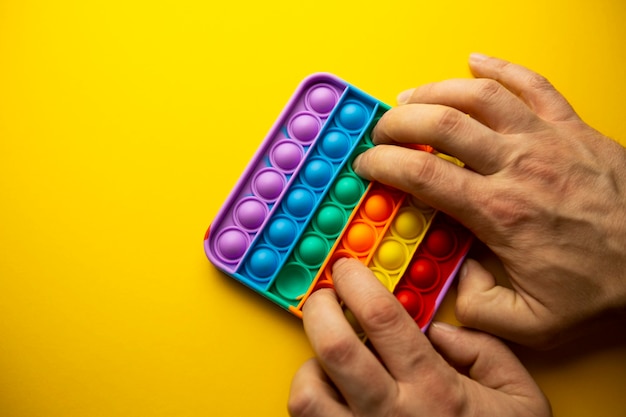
(489, 362)
(483, 304)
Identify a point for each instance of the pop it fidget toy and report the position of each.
(299, 206)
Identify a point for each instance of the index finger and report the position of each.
(358, 375)
(457, 191)
(396, 337)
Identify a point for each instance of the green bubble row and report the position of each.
(314, 246)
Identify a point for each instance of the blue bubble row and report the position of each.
(269, 174)
(298, 274)
(310, 184)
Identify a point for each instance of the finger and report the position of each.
(488, 361)
(534, 89)
(448, 130)
(312, 394)
(430, 178)
(484, 99)
(394, 334)
(484, 305)
(356, 372)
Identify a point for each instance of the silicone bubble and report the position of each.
(312, 250)
(335, 144)
(286, 155)
(263, 262)
(321, 99)
(268, 184)
(293, 281)
(231, 244)
(304, 127)
(347, 190)
(408, 224)
(378, 207)
(299, 202)
(329, 220)
(423, 274)
(411, 301)
(391, 255)
(250, 213)
(383, 277)
(360, 237)
(317, 173)
(441, 243)
(282, 232)
(353, 116)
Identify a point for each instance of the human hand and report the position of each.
(409, 378)
(545, 192)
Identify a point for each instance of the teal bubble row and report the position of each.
(303, 264)
(264, 259)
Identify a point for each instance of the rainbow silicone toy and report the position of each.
(299, 206)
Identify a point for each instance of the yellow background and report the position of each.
(123, 126)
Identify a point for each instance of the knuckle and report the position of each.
(423, 170)
(447, 394)
(449, 121)
(381, 312)
(336, 350)
(539, 82)
(302, 403)
(486, 91)
(510, 209)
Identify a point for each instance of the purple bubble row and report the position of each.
(268, 175)
(328, 155)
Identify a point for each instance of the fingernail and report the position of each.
(404, 96)
(444, 326)
(339, 262)
(373, 135)
(463, 270)
(357, 164)
(476, 58)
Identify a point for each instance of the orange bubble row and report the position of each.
(368, 226)
(383, 232)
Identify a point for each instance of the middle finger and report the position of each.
(486, 100)
(358, 375)
(448, 130)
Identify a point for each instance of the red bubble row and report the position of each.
(432, 269)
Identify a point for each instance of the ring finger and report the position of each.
(448, 130)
